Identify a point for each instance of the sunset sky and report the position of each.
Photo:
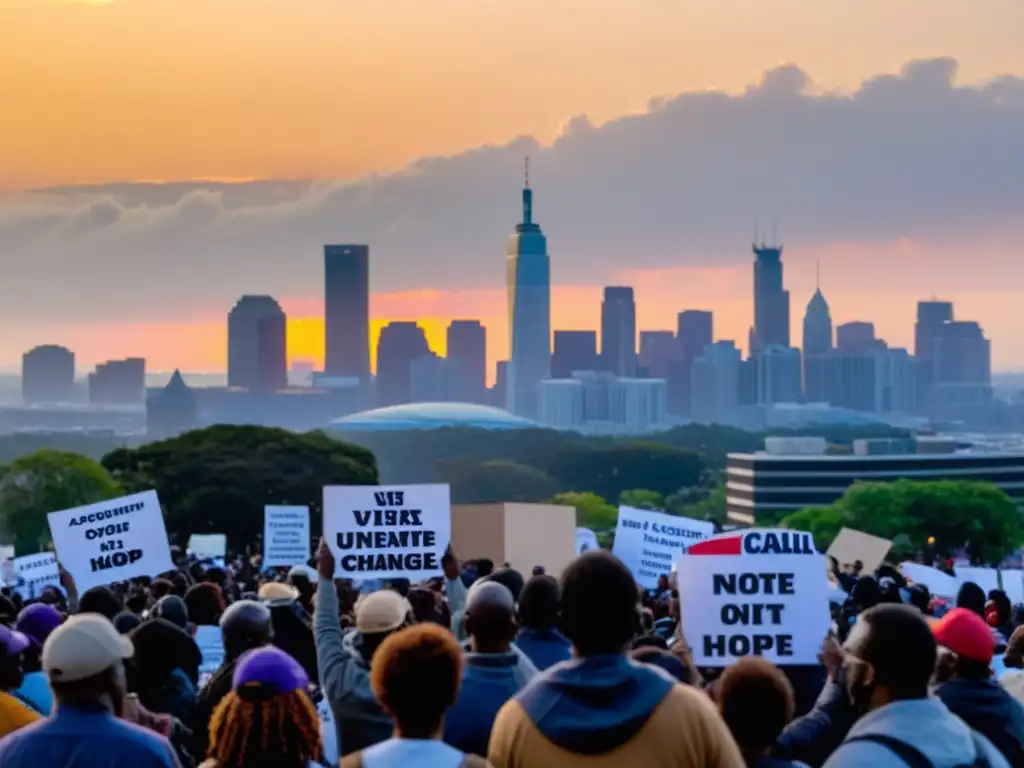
(159, 158)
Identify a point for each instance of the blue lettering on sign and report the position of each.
(778, 543)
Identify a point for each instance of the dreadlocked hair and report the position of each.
(276, 731)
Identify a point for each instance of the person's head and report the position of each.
(538, 603)
(100, 600)
(84, 660)
(268, 717)
(1014, 656)
(865, 593)
(889, 656)
(416, 677)
(966, 634)
(971, 597)
(649, 641)
(661, 658)
(598, 604)
(300, 578)
(484, 567)
(378, 614)
(999, 607)
(920, 597)
(12, 645)
(425, 605)
(756, 701)
(173, 609)
(36, 622)
(205, 604)
(663, 583)
(245, 625)
(126, 621)
(160, 588)
(509, 578)
(276, 593)
(490, 617)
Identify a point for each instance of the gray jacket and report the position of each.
(924, 724)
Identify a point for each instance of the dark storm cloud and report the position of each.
(908, 155)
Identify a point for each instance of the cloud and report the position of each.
(909, 156)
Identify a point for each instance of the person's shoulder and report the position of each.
(139, 737)
(859, 753)
(690, 699)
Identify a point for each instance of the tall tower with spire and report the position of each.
(817, 323)
(528, 270)
(771, 300)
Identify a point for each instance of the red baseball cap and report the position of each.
(966, 634)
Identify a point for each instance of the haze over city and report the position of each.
(885, 142)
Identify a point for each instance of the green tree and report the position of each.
(608, 470)
(592, 511)
(218, 480)
(710, 505)
(641, 498)
(824, 523)
(44, 482)
(483, 482)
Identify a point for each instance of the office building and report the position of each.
(779, 375)
(961, 370)
(499, 392)
(399, 343)
(715, 385)
(171, 410)
(467, 346)
(347, 311)
(638, 405)
(48, 375)
(780, 481)
(817, 326)
(528, 269)
(694, 332)
(771, 300)
(618, 331)
(118, 382)
(857, 338)
(257, 345)
(658, 350)
(562, 403)
(574, 351)
(434, 379)
(931, 316)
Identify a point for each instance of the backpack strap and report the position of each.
(912, 756)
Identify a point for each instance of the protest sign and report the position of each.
(211, 646)
(648, 542)
(7, 573)
(851, 545)
(938, 582)
(397, 531)
(285, 536)
(112, 540)
(328, 734)
(33, 573)
(586, 540)
(208, 545)
(754, 593)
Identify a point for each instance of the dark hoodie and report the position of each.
(544, 647)
(987, 707)
(609, 711)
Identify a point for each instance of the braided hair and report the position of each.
(248, 730)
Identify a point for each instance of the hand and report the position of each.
(450, 564)
(831, 655)
(324, 560)
(66, 579)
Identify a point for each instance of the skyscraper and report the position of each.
(467, 343)
(399, 343)
(574, 351)
(931, 316)
(257, 345)
(48, 375)
(658, 351)
(118, 382)
(817, 325)
(529, 306)
(347, 311)
(694, 332)
(857, 337)
(618, 331)
(771, 300)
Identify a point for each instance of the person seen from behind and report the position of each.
(36, 622)
(971, 693)
(602, 709)
(539, 637)
(15, 711)
(84, 660)
(416, 676)
(492, 672)
(268, 719)
(756, 701)
(345, 668)
(165, 660)
(888, 662)
(1012, 678)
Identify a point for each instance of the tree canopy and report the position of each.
(44, 482)
(944, 516)
(592, 511)
(218, 480)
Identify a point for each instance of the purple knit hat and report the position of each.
(271, 670)
(37, 621)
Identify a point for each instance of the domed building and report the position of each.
(397, 418)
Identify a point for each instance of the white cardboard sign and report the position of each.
(758, 592)
(285, 536)
(648, 542)
(208, 545)
(33, 573)
(112, 540)
(211, 646)
(392, 531)
(586, 540)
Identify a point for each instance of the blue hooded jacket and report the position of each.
(990, 710)
(594, 705)
(544, 647)
(488, 681)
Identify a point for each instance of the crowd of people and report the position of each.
(484, 667)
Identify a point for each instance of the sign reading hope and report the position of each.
(388, 531)
(754, 593)
(112, 540)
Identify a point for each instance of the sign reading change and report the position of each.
(112, 540)
(397, 531)
(754, 593)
